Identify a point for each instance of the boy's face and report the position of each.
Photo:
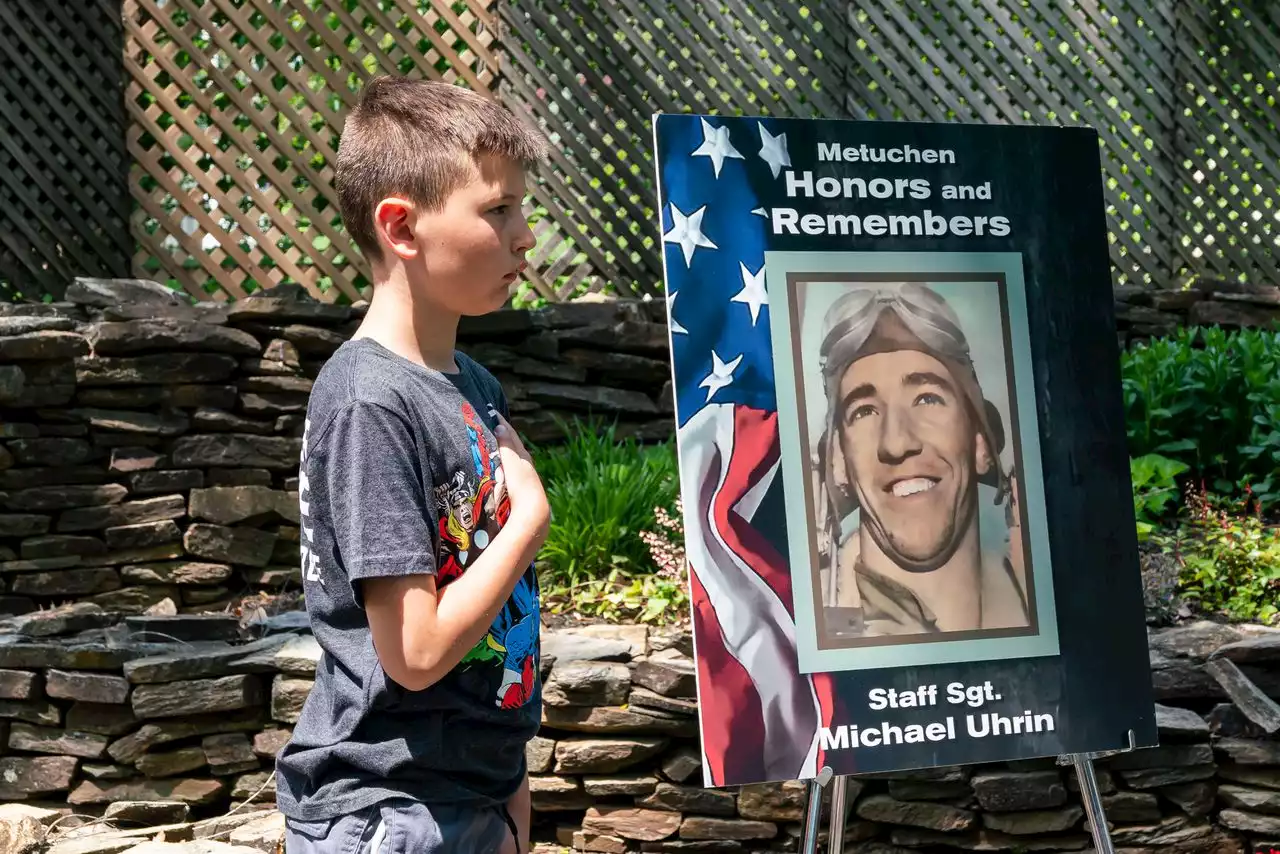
(466, 256)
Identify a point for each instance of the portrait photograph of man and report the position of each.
(914, 454)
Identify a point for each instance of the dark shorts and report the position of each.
(405, 827)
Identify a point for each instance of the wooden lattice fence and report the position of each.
(230, 113)
(64, 197)
(236, 109)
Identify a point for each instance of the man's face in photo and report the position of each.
(911, 450)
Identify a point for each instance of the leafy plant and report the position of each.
(1210, 399)
(1229, 557)
(602, 491)
(1154, 488)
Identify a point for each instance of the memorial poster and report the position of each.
(903, 464)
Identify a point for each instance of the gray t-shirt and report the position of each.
(400, 474)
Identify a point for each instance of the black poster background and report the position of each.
(1048, 183)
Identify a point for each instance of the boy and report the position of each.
(421, 511)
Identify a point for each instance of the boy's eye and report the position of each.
(500, 209)
(857, 413)
(929, 398)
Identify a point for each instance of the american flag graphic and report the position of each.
(759, 715)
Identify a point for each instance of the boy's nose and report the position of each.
(525, 239)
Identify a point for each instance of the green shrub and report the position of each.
(1210, 399)
(602, 491)
(1229, 558)
(1155, 490)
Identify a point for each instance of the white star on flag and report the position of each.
(686, 232)
(752, 293)
(716, 145)
(773, 150)
(676, 328)
(761, 211)
(721, 374)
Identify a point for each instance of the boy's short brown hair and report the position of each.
(414, 138)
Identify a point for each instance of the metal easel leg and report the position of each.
(813, 814)
(839, 814)
(1093, 803)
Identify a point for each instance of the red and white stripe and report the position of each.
(759, 715)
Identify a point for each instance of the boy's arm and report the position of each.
(421, 633)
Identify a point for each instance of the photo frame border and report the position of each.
(1042, 640)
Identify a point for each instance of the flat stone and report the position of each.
(882, 808)
(1263, 649)
(618, 785)
(629, 336)
(67, 582)
(23, 524)
(193, 792)
(595, 398)
(642, 698)
(22, 776)
(587, 683)
(1152, 778)
(1253, 800)
(247, 546)
(142, 423)
(1180, 724)
(1129, 807)
(1220, 312)
(671, 678)
(272, 403)
(102, 719)
(781, 802)
(1195, 799)
(140, 336)
(690, 799)
(1250, 822)
(1195, 641)
(631, 823)
(21, 835)
(171, 763)
(129, 513)
(309, 340)
(123, 296)
(229, 505)
(39, 564)
(260, 784)
(51, 451)
(20, 685)
(229, 753)
(135, 600)
(699, 827)
(286, 307)
(42, 499)
(21, 325)
(202, 661)
(160, 482)
(107, 772)
(63, 620)
(288, 697)
(148, 370)
(1164, 756)
(42, 345)
(631, 368)
(913, 838)
(557, 794)
(268, 743)
(37, 739)
(1248, 697)
(128, 460)
(1031, 822)
(197, 696)
(129, 749)
(605, 719)
(682, 763)
(148, 813)
(87, 687)
(578, 755)
(239, 477)
(62, 545)
(208, 419)
(1251, 775)
(299, 656)
(563, 647)
(232, 450)
(915, 790)
(1003, 791)
(1249, 751)
(176, 572)
(188, 627)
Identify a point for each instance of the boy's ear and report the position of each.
(393, 219)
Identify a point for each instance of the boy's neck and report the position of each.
(420, 331)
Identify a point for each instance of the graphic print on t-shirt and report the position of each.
(473, 506)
